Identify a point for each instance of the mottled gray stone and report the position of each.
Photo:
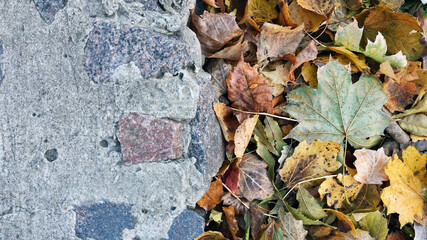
(150, 5)
(1, 64)
(188, 225)
(49, 8)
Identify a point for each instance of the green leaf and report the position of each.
(308, 205)
(376, 224)
(274, 133)
(263, 152)
(349, 36)
(338, 109)
(291, 228)
(215, 216)
(415, 124)
(260, 131)
(298, 215)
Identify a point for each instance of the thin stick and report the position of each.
(308, 180)
(264, 114)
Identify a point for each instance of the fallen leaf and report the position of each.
(212, 197)
(248, 90)
(274, 133)
(407, 179)
(309, 73)
(349, 36)
(263, 10)
(211, 3)
(257, 215)
(341, 216)
(337, 189)
(338, 109)
(243, 135)
(307, 54)
(308, 161)
(214, 30)
(291, 228)
(355, 59)
(320, 232)
(254, 182)
(219, 70)
(302, 16)
(344, 60)
(211, 235)
(226, 119)
(277, 78)
(276, 41)
(400, 30)
(298, 215)
(284, 16)
(321, 7)
(359, 235)
(386, 69)
(370, 166)
(309, 206)
(241, 7)
(215, 216)
(231, 177)
(415, 124)
(266, 232)
(231, 220)
(420, 107)
(375, 224)
(232, 53)
(394, 4)
(229, 200)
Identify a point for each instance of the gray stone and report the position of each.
(144, 138)
(188, 225)
(147, 4)
(49, 8)
(1, 64)
(51, 155)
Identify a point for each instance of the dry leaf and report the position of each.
(309, 73)
(254, 182)
(214, 30)
(233, 53)
(278, 78)
(231, 220)
(243, 135)
(231, 177)
(212, 197)
(301, 16)
(263, 10)
(333, 189)
(358, 62)
(211, 3)
(229, 200)
(211, 235)
(308, 161)
(341, 216)
(321, 7)
(415, 124)
(219, 71)
(307, 54)
(291, 228)
(276, 41)
(358, 235)
(322, 60)
(407, 179)
(248, 90)
(386, 69)
(284, 16)
(370, 166)
(400, 94)
(226, 119)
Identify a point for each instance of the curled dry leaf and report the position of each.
(226, 119)
(214, 30)
(248, 90)
(400, 94)
(338, 188)
(308, 161)
(307, 54)
(212, 197)
(370, 165)
(301, 16)
(408, 178)
(243, 135)
(232, 222)
(232, 53)
(254, 182)
(276, 41)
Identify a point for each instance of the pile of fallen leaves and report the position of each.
(322, 104)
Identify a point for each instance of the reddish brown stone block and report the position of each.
(144, 138)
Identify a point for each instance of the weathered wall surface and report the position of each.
(106, 124)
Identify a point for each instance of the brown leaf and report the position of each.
(276, 41)
(211, 3)
(229, 200)
(233, 53)
(301, 16)
(226, 119)
(400, 94)
(321, 7)
(243, 135)
(212, 197)
(370, 165)
(254, 182)
(232, 222)
(241, 7)
(257, 216)
(285, 18)
(248, 90)
(338, 189)
(307, 54)
(214, 30)
(211, 235)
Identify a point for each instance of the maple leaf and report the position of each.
(400, 30)
(254, 182)
(337, 189)
(214, 30)
(370, 166)
(212, 197)
(243, 135)
(307, 54)
(322, 7)
(312, 160)
(248, 90)
(408, 178)
(276, 41)
(338, 109)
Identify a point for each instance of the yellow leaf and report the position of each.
(322, 7)
(342, 59)
(263, 10)
(309, 73)
(341, 216)
(360, 64)
(337, 189)
(407, 179)
(243, 135)
(370, 166)
(278, 78)
(302, 16)
(309, 161)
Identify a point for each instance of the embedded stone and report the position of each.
(188, 225)
(150, 5)
(104, 220)
(144, 138)
(111, 45)
(49, 8)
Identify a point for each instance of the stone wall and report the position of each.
(107, 130)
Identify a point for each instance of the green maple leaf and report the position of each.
(339, 110)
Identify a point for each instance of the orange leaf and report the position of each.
(212, 197)
(301, 16)
(226, 119)
(231, 220)
(400, 94)
(341, 216)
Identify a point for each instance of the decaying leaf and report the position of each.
(278, 78)
(211, 235)
(219, 71)
(370, 166)
(232, 53)
(341, 216)
(263, 10)
(407, 179)
(254, 182)
(360, 235)
(303, 17)
(212, 197)
(243, 135)
(307, 54)
(248, 90)
(215, 216)
(291, 228)
(214, 30)
(231, 220)
(337, 189)
(338, 109)
(229, 200)
(226, 119)
(276, 41)
(415, 124)
(355, 59)
(309, 73)
(309, 161)
(375, 224)
(322, 7)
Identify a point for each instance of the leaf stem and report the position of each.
(265, 114)
(234, 195)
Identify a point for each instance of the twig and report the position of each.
(264, 114)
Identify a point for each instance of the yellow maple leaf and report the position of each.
(408, 178)
(338, 189)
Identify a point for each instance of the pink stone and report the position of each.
(144, 138)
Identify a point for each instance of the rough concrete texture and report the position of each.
(62, 174)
